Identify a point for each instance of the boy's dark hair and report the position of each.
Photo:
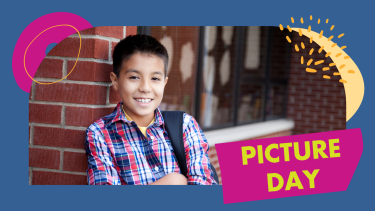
(138, 44)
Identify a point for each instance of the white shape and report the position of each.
(252, 54)
(152, 137)
(227, 34)
(210, 37)
(156, 168)
(163, 28)
(168, 44)
(186, 61)
(224, 68)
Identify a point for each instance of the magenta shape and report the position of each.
(36, 52)
(249, 182)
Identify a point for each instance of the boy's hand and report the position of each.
(171, 179)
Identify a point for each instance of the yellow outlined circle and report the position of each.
(79, 51)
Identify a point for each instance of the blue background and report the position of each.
(354, 18)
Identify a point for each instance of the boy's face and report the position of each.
(140, 84)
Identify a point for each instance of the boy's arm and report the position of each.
(196, 150)
(100, 170)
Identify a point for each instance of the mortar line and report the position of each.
(31, 176)
(63, 149)
(79, 59)
(72, 81)
(31, 135)
(124, 31)
(33, 91)
(58, 126)
(58, 171)
(61, 160)
(64, 68)
(63, 115)
(91, 36)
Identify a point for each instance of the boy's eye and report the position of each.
(134, 77)
(156, 79)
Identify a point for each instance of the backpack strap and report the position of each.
(173, 122)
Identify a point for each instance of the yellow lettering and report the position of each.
(246, 156)
(271, 188)
(260, 153)
(293, 176)
(307, 151)
(268, 153)
(319, 150)
(332, 148)
(286, 150)
(311, 177)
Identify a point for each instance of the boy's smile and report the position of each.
(141, 86)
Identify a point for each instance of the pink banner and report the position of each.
(289, 166)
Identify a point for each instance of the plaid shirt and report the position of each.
(119, 154)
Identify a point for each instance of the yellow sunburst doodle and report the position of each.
(311, 39)
(301, 59)
(319, 62)
(346, 57)
(321, 48)
(301, 20)
(300, 32)
(290, 30)
(343, 47)
(281, 27)
(310, 17)
(334, 44)
(318, 20)
(309, 29)
(302, 45)
(326, 77)
(311, 51)
(342, 66)
(327, 21)
(292, 19)
(287, 37)
(321, 34)
(309, 62)
(341, 35)
(332, 64)
(329, 53)
(333, 26)
(310, 70)
(296, 46)
(342, 81)
(339, 54)
(325, 68)
(330, 38)
(336, 73)
(350, 71)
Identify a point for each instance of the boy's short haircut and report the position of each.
(138, 44)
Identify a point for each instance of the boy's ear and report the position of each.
(114, 80)
(165, 81)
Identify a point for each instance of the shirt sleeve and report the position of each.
(101, 170)
(196, 150)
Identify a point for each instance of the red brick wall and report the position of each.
(60, 113)
(315, 104)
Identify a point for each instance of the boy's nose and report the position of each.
(144, 87)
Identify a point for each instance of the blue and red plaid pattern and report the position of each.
(119, 154)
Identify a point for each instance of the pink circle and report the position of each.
(36, 51)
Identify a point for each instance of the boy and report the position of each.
(131, 146)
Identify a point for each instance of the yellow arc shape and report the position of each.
(355, 87)
(79, 51)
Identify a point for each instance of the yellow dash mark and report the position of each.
(341, 35)
(333, 26)
(287, 37)
(319, 62)
(326, 77)
(321, 48)
(334, 44)
(297, 49)
(309, 29)
(300, 32)
(311, 39)
(342, 81)
(343, 47)
(292, 19)
(301, 59)
(310, 17)
(336, 73)
(329, 53)
(321, 34)
(346, 57)
(290, 30)
(325, 68)
(342, 66)
(327, 21)
(302, 45)
(301, 20)
(350, 71)
(330, 38)
(281, 27)
(310, 70)
(332, 64)
(311, 51)
(339, 54)
(309, 62)
(318, 20)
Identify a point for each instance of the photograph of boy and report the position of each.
(131, 146)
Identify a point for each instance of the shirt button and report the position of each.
(152, 137)
(156, 168)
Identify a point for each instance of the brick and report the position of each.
(74, 161)
(78, 116)
(59, 137)
(107, 31)
(91, 48)
(131, 30)
(44, 158)
(114, 96)
(55, 178)
(50, 114)
(50, 68)
(89, 71)
(72, 93)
